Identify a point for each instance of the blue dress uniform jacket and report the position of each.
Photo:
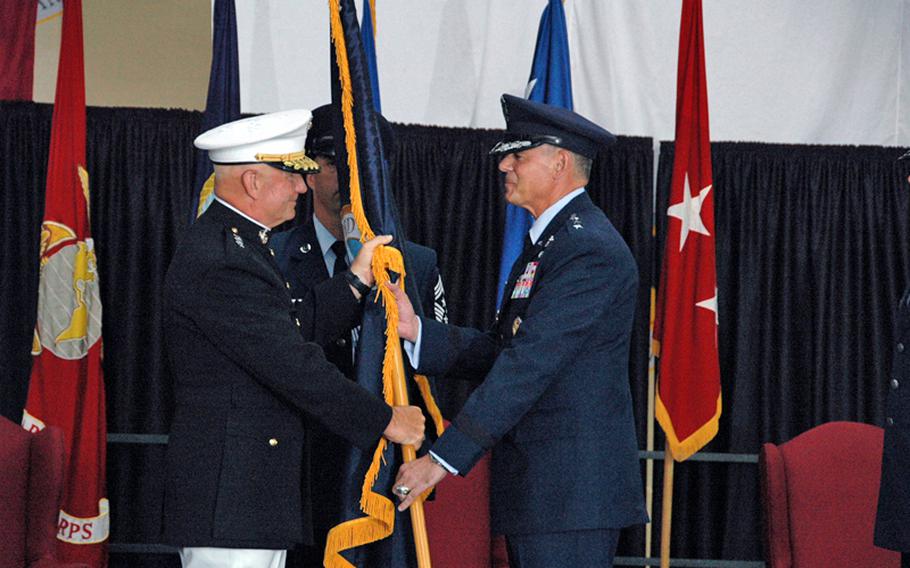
(554, 404)
(244, 380)
(892, 523)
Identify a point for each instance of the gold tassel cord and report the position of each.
(424, 385)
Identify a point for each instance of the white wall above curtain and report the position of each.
(792, 71)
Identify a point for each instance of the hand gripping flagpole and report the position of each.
(408, 452)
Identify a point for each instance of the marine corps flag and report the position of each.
(689, 397)
(66, 387)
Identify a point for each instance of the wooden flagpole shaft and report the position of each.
(408, 454)
(666, 514)
(651, 421)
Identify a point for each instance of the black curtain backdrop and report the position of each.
(813, 253)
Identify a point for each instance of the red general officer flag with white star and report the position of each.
(688, 395)
(66, 388)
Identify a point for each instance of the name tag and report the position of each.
(525, 281)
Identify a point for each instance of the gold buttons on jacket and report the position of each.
(273, 442)
(341, 342)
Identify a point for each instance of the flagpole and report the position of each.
(666, 512)
(409, 454)
(650, 429)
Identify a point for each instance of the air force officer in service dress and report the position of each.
(244, 376)
(553, 403)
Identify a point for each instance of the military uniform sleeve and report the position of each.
(329, 310)
(457, 352)
(573, 301)
(244, 314)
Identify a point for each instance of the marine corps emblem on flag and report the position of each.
(69, 303)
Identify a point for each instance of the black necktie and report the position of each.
(340, 353)
(341, 261)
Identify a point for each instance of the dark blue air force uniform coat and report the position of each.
(892, 523)
(245, 379)
(300, 259)
(554, 404)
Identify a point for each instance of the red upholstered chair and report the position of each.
(31, 485)
(819, 493)
(458, 522)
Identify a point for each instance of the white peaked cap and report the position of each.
(264, 138)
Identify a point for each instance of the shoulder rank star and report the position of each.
(576, 222)
(237, 238)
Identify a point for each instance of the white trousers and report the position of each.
(206, 557)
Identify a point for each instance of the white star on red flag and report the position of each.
(689, 212)
(710, 304)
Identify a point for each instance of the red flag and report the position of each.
(17, 49)
(67, 387)
(688, 394)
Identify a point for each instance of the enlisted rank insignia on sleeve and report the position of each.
(525, 281)
(576, 222)
(515, 325)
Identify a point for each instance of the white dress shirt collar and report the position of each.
(241, 213)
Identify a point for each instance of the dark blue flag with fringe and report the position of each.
(551, 83)
(372, 532)
(223, 102)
